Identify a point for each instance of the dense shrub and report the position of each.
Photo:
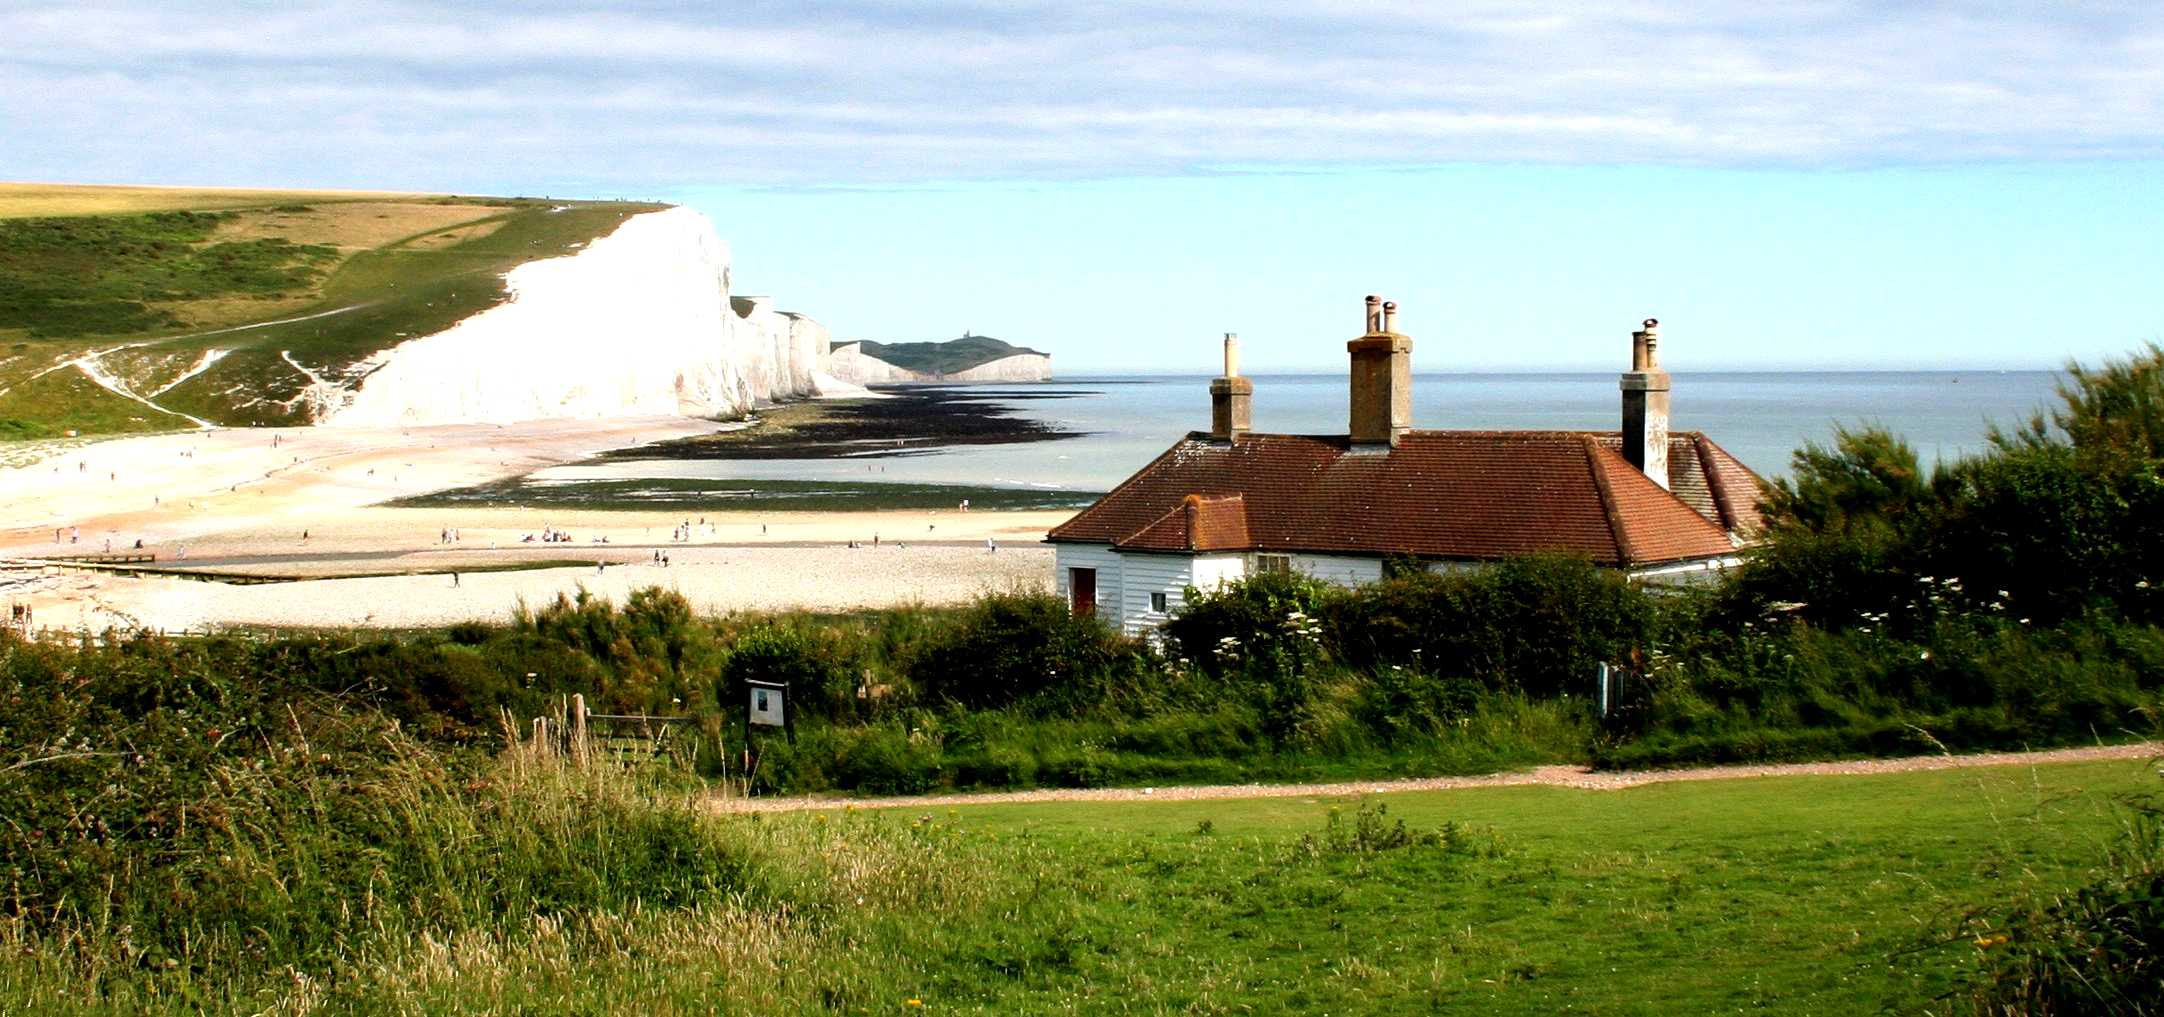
(1541, 626)
(652, 656)
(819, 666)
(1015, 648)
(1261, 621)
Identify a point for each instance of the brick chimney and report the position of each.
(1231, 397)
(1645, 405)
(1382, 378)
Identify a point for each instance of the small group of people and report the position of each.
(661, 558)
(549, 535)
(447, 536)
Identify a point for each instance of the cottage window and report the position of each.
(1273, 563)
(1157, 602)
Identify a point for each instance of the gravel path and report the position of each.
(1555, 776)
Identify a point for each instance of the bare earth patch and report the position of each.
(1550, 776)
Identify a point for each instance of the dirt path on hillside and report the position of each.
(1553, 776)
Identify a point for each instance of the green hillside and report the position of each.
(126, 309)
(945, 357)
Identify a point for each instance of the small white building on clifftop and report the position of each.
(1227, 503)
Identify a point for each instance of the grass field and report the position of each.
(18, 200)
(131, 309)
(1789, 895)
(1797, 895)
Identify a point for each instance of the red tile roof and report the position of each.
(1439, 494)
(1215, 522)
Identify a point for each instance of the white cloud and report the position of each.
(519, 97)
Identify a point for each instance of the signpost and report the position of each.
(766, 704)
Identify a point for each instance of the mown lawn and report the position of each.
(1788, 895)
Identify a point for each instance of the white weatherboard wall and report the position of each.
(1089, 556)
(1125, 580)
(638, 323)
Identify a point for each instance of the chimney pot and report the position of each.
(1390, 315)
(1382, 379)
(1232, 397)
(1645, 405)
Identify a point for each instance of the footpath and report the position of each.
(1553, 776)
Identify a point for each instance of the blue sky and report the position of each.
(1801, 184)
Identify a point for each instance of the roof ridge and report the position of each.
(1715, 486)
(1132, 478)
(1601, 485)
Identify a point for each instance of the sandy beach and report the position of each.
(305, 504)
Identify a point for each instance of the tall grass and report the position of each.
(343, 867)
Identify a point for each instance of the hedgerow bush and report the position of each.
(821, 667)
(1540, 625)
(1022, 648)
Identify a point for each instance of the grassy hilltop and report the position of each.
(951, 357)
(142, 309)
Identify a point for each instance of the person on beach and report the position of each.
(454, 580)
(991, 546)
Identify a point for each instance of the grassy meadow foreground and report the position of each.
(179, 842)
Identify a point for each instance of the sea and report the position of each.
(1119, 423)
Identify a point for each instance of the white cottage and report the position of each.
(1226, 503)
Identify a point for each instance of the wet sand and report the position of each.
(305, 502)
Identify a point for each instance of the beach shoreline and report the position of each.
(309, 505)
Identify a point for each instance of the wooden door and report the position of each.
(1082, 590)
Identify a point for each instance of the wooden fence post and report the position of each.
(578, 728)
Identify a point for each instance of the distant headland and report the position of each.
(969, 358)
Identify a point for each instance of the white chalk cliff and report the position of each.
(640, 322)
(848, 362)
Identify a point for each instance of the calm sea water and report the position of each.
(1126, 421)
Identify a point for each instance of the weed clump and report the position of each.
(2097, 948)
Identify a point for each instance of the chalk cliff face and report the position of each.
(639, 323)
(1020, 367)
(850, 363)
